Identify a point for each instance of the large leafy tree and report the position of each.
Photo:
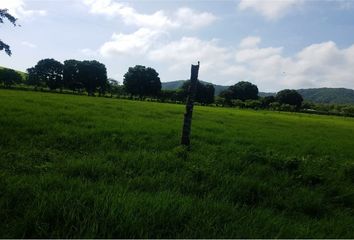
(205, 92)
(9, 77)
(142, 81)
(291, 97)
(244, 91)
(71, 79)
(5, 15)
(47, 72)
(93, 75)
(33, 79)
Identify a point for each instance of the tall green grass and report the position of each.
(81, 167)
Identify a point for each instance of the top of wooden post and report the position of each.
(195, 71)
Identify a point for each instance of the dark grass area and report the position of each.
(81, 167)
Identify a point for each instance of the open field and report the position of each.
(75, 166)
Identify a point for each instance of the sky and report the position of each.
(275, 44)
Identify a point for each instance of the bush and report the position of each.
(254, 104)
(9, 77)
(290, 97)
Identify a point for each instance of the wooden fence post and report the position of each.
(187, 124)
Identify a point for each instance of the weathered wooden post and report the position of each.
(187, 124)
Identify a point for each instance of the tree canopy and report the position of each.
(291, 97)
(244, 91)
(71, 78)
(205, 92)
(74, 75)
(47, 72)
(93, 76)
(5, 15)
(9, 77)
(142, 81)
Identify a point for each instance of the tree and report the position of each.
(142, 81)
(47, 72)
(5, 15)
(71, 79)
(290, 97)
(114, 88)
(33, 79)
(226, 96)
(244, 91)
(205, 92)
(9, 77)
(93, 75)
(266, 101)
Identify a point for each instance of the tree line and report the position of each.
(140, 82)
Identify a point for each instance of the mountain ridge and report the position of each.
(317, 95)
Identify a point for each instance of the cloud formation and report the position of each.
(19, 10)
(135, 44)
(270, 9)
(157, 20)
(317, 65)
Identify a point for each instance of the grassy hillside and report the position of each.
(328, 95)
(23, 74)
(75, 166)
(316, 95)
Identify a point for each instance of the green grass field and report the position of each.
(75, 166)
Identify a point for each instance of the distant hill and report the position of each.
(317, 95)
(23, 74)
(178, 84)
(328, 95)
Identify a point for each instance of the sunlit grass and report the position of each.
(76, 166)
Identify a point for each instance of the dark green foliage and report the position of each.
(174, 85)
(78, 167)
(47, 72)
(9, 77)
(267, 100)
(290, 97)
(33, 78)
(227, 96)
(114, 88)
(172, 95)
(328, 95)
(205, 92)
(71, 77)
(5, 15)
(241, 91)
(93, 76)
(142, 81)
(244, 91)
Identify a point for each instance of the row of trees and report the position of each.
(141, 81)
(73, 75)
(245, 94)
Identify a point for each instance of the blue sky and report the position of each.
(275, 44)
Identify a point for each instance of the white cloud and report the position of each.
(180, 54)
(250, 42)
(136, 43)
(29, 44)
(270, 9)
(157, 20)
(317, 65)
(19, 10)
(191, 19)
(257, 54)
